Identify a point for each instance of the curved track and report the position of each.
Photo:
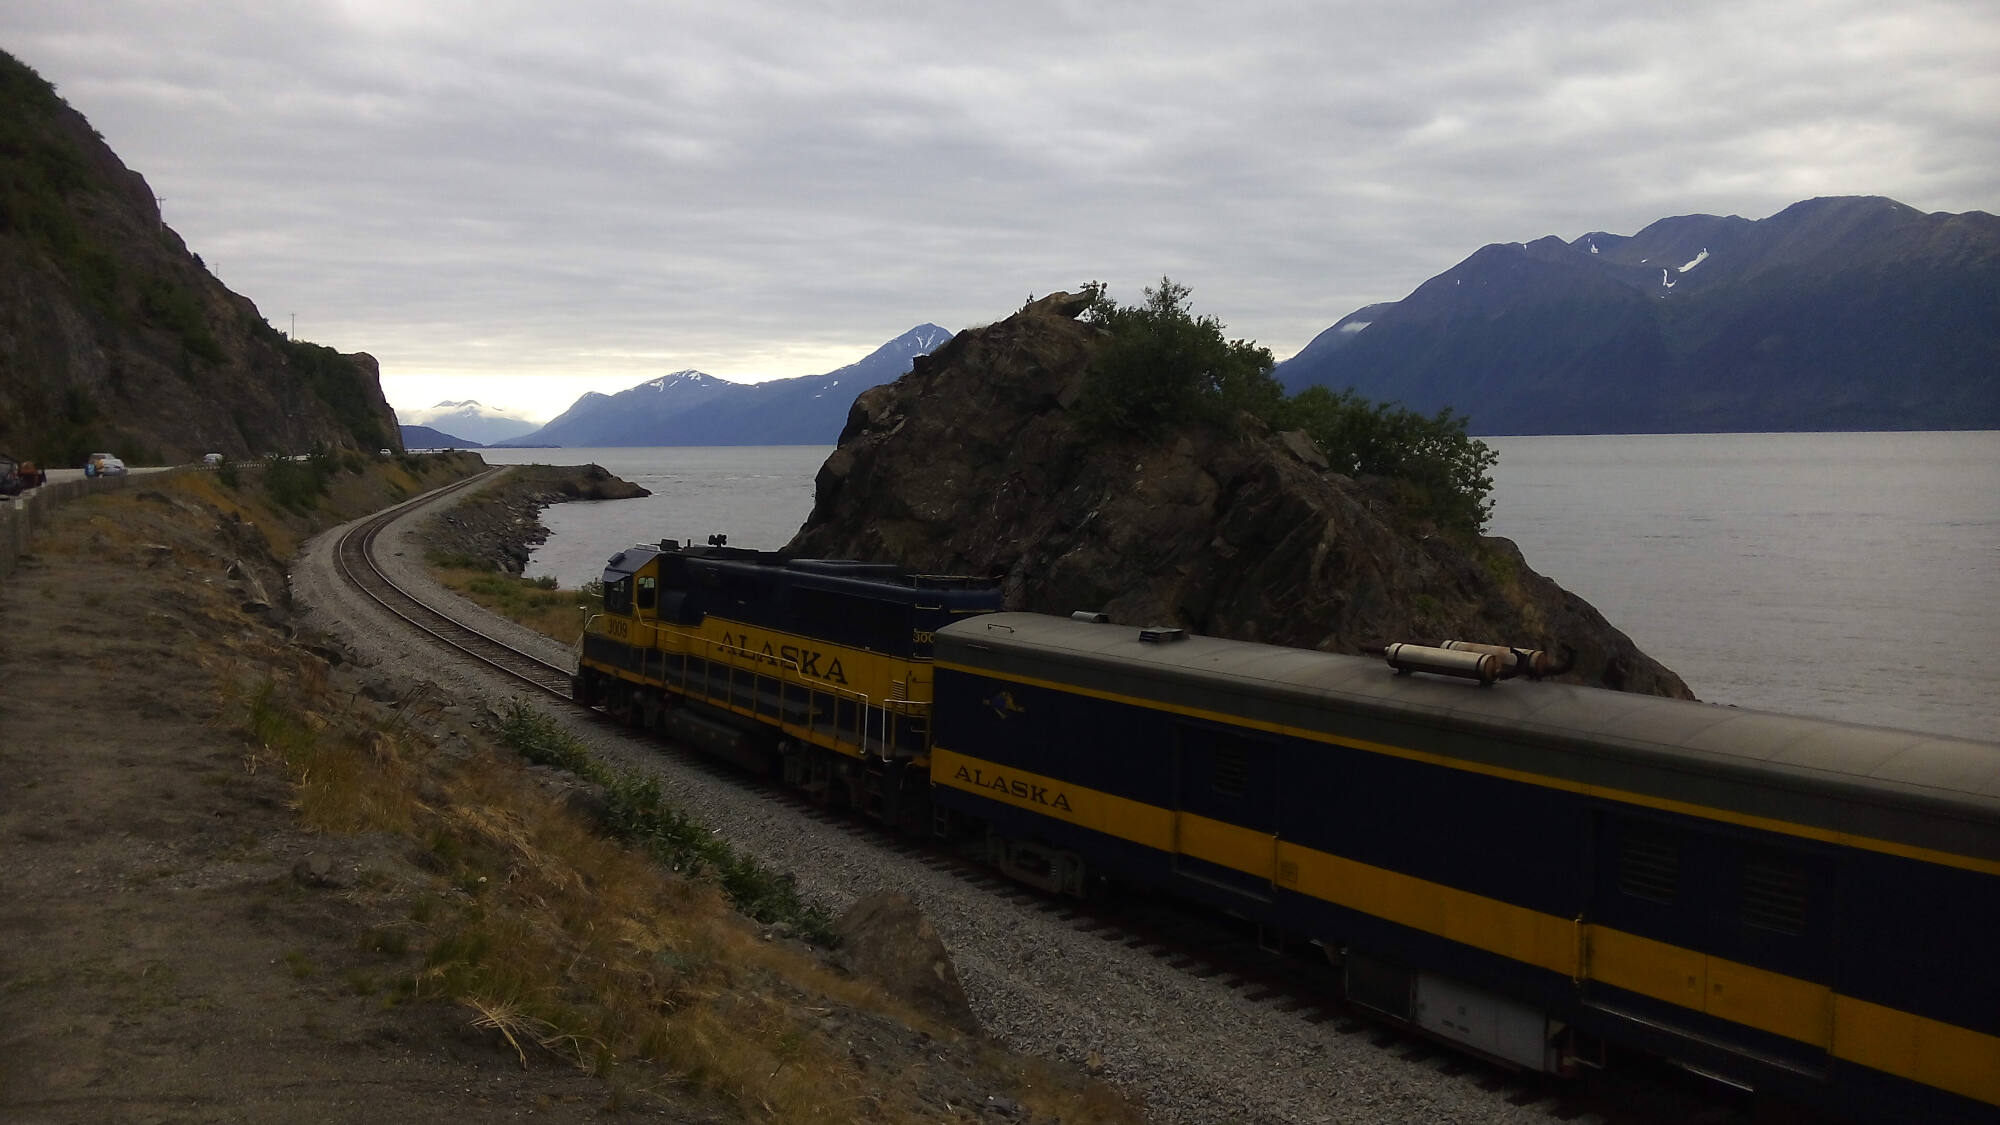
(356, 561)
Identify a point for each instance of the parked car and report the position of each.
(17, 477)
(211, 459)
(103, 465)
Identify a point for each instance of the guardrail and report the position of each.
(21, 516)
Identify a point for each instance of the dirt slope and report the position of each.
(238, 875)
(160, 960)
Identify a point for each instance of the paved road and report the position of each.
(77, 474)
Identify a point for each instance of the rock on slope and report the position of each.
(114, 336)
(974, 463)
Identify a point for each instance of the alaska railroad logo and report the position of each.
(1013, 787)
(1002, 704)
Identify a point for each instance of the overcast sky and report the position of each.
(518, 202)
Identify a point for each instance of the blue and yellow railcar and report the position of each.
(1532, 871)
(818, 668)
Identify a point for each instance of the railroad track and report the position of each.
(1195, 943)
(355, 558)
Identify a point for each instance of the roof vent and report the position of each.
(1091, 617)
(1162, 634)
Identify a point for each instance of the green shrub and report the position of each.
(175, 307)
(1161, 368)
(1445, 475)
(298, 484)
(637, 813)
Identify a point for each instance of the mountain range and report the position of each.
(472, 422)
(1849, 313)
(423, 437)
(693, 408)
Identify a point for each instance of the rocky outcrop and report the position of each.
(500, 525)
(114, 336)
(974, 463)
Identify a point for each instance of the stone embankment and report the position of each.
(501, 525)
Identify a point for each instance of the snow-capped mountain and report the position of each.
(470, 420)
(1851, 313)
(693, 408)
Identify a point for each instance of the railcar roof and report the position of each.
(629, 560)
(1959, 771)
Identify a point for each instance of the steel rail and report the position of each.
(354, 557)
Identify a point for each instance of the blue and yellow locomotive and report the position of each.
(1533, 871)
(818, 670)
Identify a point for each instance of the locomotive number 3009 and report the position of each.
(616, 628)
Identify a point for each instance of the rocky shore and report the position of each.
(501, 526)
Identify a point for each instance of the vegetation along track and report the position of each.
(1195, 943)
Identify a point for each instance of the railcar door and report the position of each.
(1226, 809)
(1720, 934)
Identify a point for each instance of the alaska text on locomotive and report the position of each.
(805, 660)
(1020, 790)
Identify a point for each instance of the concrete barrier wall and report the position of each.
(21, 516)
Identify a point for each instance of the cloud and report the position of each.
(606, 191)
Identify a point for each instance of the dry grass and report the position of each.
(345, 778)
(548, 610)
(605, 960)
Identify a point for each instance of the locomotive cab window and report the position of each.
(648, 593)
(618, 596)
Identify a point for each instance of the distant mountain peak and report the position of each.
(690, 407)
(678, 378)
(1839, 313)
(474, 422)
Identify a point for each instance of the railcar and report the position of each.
(1532, 871)
(819, 670)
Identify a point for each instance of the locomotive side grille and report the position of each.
(1232, 770)
(1649, 867)
(1774, 895)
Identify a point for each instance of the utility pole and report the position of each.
(294, 333)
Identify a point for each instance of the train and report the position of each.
(1539, 873)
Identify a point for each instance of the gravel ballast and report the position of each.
(1194, 1050)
